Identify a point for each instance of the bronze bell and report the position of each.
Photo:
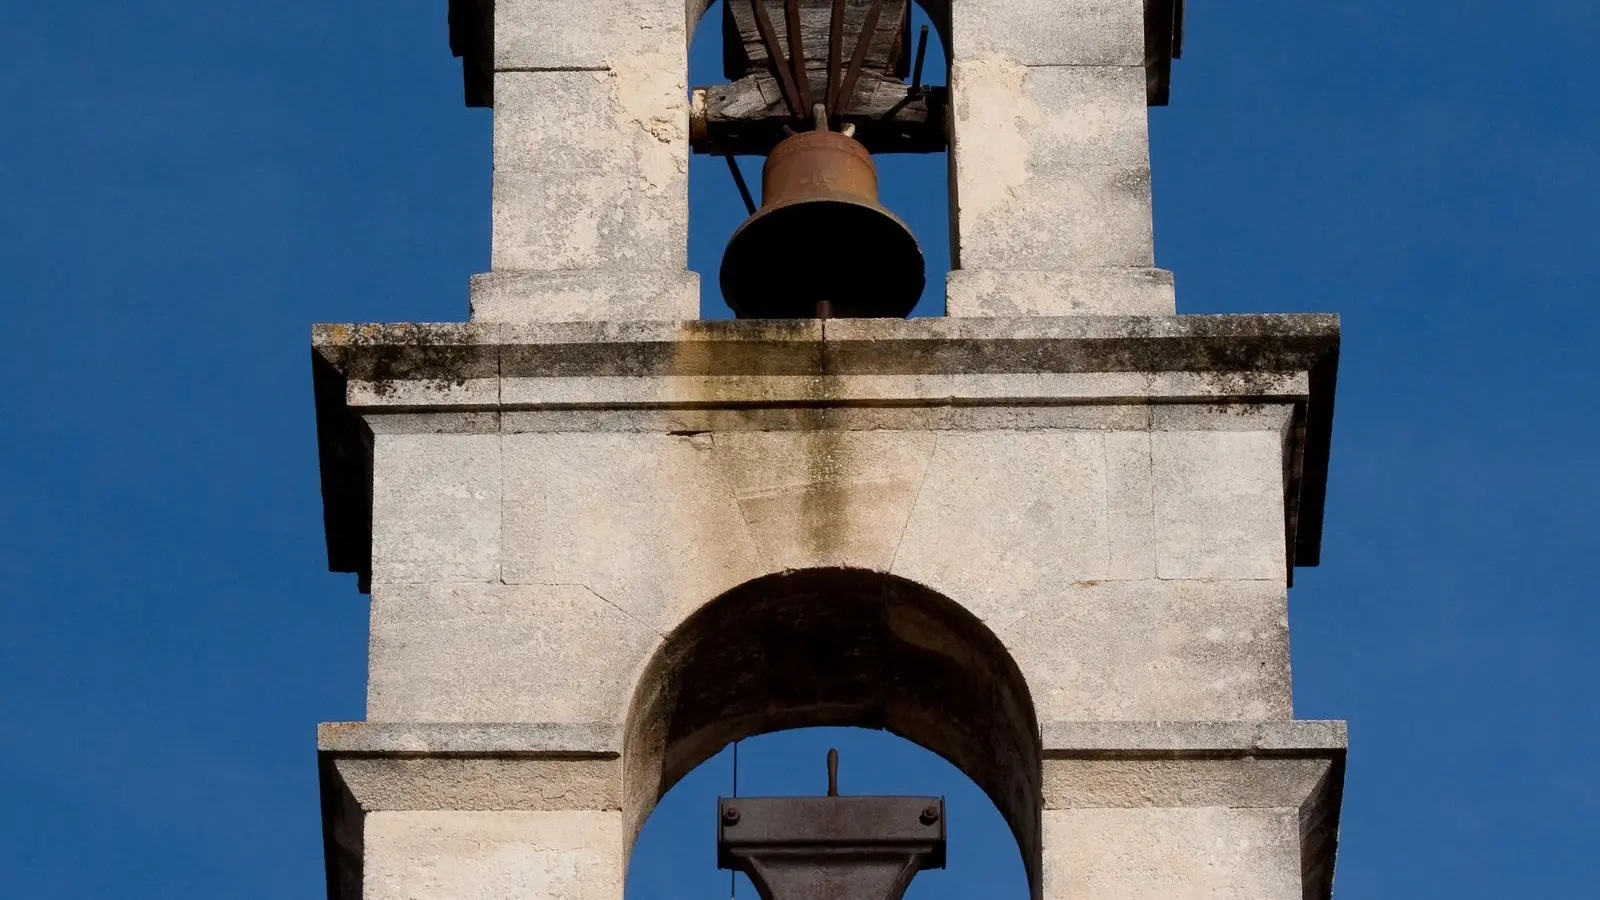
(821, 245)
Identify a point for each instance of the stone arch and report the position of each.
(837, 647)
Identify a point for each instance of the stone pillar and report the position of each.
(591, 163)
(1051, 206)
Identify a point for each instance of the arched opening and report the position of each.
(674, 855)
(837, 647)
(914, 186)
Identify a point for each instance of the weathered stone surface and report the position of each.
(1074, 218)
(448, 855)
(436, 507)
(482, 783)
(550, 34)
(648, 522)
(1171, 738)
(591, 170)
(1130, 505)
(584, 295)
(825, 498)
(1030, 505)
(511, 739)
(1159, 854)
(1239, 783)
(500, 653)
(1241, 347)
(1051, 167)
(1045, 33)
(1219, 504)
(1063, 292)
(1160, 650)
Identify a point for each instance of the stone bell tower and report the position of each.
(1048, 536)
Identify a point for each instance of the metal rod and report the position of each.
(863, 44)
(835, 52)
(733, 884)
(916, 69)
(780, 66)
(833, 763)
(819, 117)
(797, 51)
(750, 209)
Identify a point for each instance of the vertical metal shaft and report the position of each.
(922, 52)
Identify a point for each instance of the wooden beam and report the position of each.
(747, 117)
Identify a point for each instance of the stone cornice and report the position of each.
(366, 372)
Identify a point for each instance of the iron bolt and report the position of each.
(730, 815)
(930, 814)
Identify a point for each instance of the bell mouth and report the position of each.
(791, 256)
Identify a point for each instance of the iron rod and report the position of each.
(750, 209)
(916, 70)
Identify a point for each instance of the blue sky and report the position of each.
(185, 185)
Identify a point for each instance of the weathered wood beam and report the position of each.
(1163, 42)
(747, 117)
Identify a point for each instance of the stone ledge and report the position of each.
(569, 295)
(1297, 765)
(455, 351)
(931, 363)
(599, 740)
(1125, 740)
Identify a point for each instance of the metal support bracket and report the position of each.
(840, 848)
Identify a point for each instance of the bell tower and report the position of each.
(1049, 535)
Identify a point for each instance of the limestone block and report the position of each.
(1206, 853)
(646, 521)
(1130, 505)
(399, 782)
(1159, 650)
(591, 169)
(1120, 291)
(1051, 32)
(1008, 517)
(436, 507)
(500, 653)
(1219, 504)
(585, 295)
(1070, 218)
(1133, 782)
(511, 855)
(550, 34)
(1051, 166)
(825, 498)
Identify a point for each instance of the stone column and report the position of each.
(1191, 810)
(1051, 206)
(496, 812)
(591, 162)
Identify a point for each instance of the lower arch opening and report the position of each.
(837, 647)
(675, 855)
